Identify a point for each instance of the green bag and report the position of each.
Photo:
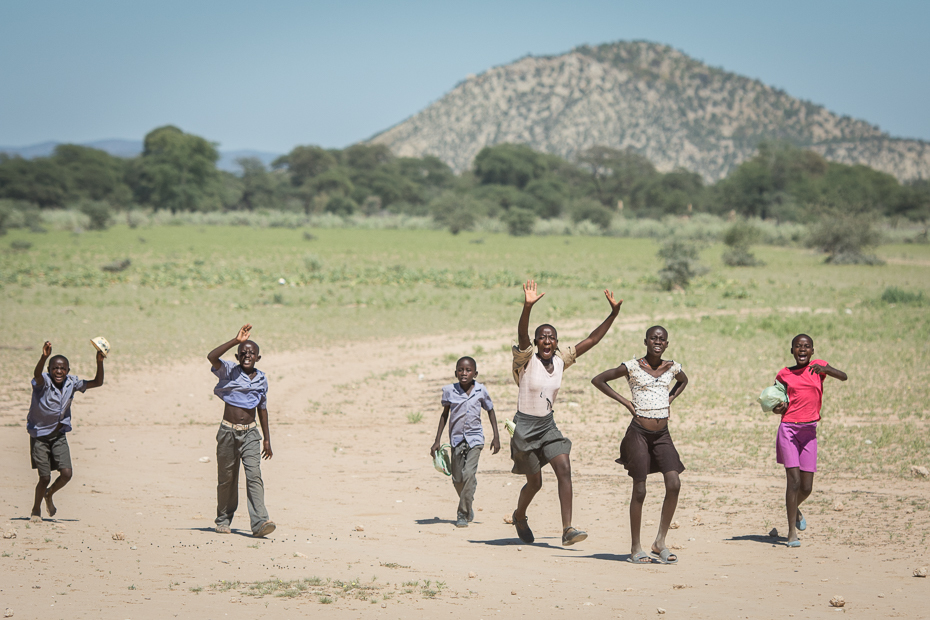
(772, 396)
(510, 426)
(442, 461)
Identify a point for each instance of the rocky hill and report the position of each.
(652, 98)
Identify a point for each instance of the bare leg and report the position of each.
(64, 477)
(527, 493)
(807, 485)
(41, 488)
(636, 516)
(792, 490)
(672, 487)
(562, 466)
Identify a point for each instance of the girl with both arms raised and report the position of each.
(536, 439)
(647, 447)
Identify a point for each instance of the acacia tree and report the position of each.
(177, 171)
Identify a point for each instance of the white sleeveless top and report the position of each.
(538, 387)
(650, 394)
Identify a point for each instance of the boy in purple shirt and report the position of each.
(49, 419)
(462, 403)
(243, 388)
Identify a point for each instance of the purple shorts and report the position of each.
(796, 446)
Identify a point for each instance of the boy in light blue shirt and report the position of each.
(49, 419)
(462, 403)
(243, 388)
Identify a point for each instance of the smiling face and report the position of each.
(465, 372)
(656, 341)
(547, 341)
(248, 355)
(58, 369)
(802, 348)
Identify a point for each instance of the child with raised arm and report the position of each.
(647, 447)
(243, 388)
(462, 403)
(536, 439)
(49, 420)
(796, 441)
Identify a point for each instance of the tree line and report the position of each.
(177, 171)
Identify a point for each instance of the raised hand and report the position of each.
(244, 332)
(529, 292)
(614, 304)
(100, 356)
(46, 349)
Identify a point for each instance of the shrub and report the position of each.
(5, 211)
(340, 205)
(520, 221)
(895, 295)
(845, 237)
(593, 211)
(681, 263)
(313, 263)
(20, 245)
(739, 237)
(99, 212)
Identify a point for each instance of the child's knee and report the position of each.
(806, 486)
(672, 485)
(65, 474)
(44, 480)
(639, 492)
(534, 484)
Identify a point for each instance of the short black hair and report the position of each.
(251, 342)
(536, 333)
(657, 327)
(466, 358)
(795, 339)
(55, 358)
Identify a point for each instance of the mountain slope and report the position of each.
(652, 98)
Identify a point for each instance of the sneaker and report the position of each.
(266, 528)
(461, 522)
(572, 535)
(223, 529)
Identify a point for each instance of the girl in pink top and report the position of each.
(796, 442)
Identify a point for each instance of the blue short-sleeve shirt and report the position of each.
(238, 389)
(50, 406)
(465, 413)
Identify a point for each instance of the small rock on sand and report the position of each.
(920, 470)
(922, 571)
(838, 506)
(680, 586)
(298, 554)
(513, 593)
(774, 532)
(359, 528)
(9, 534)
(659, 610)
(204, 459)
(8, 613)
(472, 574)
(650, 522)
(837, 601)
(675, 525)
(234, 600)
(508, 519)
(119, 536)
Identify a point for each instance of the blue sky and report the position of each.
(271, 75)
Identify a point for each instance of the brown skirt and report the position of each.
(645, 452)
(535, 442)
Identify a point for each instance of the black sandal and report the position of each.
(523, 529)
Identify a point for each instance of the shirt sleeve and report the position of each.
(520, 358)
(486, 400)
(446, 399)
(223, 371)
(568, 356)
(263, 401)
(676, 368)
(80, 385)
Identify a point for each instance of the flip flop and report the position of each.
(523, 529)
(801, 523)
(663, 556)
(793, 543)
(639, 557)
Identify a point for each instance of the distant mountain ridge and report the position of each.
(132, 148)
(656, 100)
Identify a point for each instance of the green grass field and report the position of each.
(188, 289)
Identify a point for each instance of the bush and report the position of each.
(5, 212)
(681, 263)
(845, 237)
(99, 212)
(340, 205)
(739, 237)
(593, 211)
(313, 263)
(520, 221)
(20, 245)
(895, 295)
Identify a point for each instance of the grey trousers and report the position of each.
(464, 468)
(234, 447)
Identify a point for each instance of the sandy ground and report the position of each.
(356, 500)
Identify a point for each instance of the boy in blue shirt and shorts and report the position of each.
(243, 388)
(462, 403)
(49, 420)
